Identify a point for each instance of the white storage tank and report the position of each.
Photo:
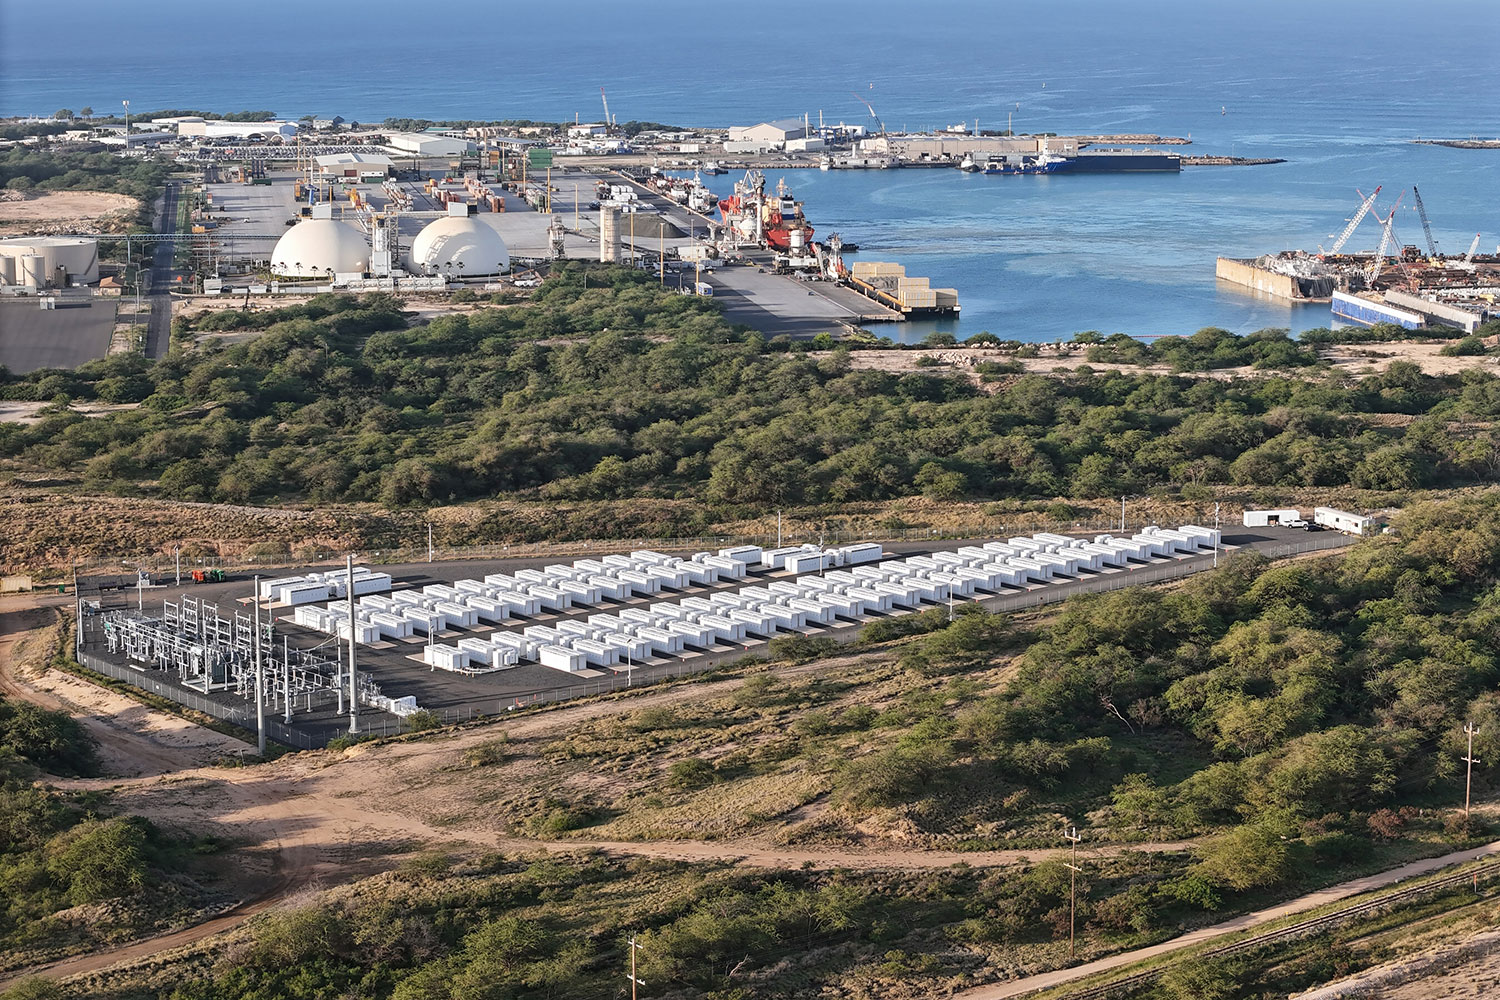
(320, 248)
(32, 271)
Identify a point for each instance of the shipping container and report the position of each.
(902, 595)
(726, 628)
(561, 658)
(444, 657)
(1284, 516)
(863, 552)
(728, 567)
(391, 625)
(807, 562)
(692, 634)
(814, 611)
(610, 587)
(585, 594)
(597, 654)
(660, 639)
(1208, 538)
(550, 598)
(755, 622)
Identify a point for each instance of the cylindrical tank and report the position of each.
(33, 273)
(796, 238)
(609, 236)
(7, 270)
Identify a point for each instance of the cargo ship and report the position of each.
(777, 222)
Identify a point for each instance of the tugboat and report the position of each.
(967, 164)
(1044, 163)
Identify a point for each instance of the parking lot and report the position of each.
(78, 330)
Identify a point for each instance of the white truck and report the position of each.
(1286, 518)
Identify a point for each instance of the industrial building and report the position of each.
(421, 144)
(321, 247)
(365, 167)
(38, 262)
(458, 247)
(765, 135)
(953, 146)
(237, 130)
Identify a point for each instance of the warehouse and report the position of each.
(237, 130)
(421, 144)
(363, 166)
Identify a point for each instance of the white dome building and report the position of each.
(465, 243)
(314, 248)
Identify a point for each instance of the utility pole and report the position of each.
(1073, 838)
(634, 982)
(1471, 760)
(260, 680)
(1122, 515)
(286, 680)
(429, 541)
(353, 682)
(778, 529)
(177, 558)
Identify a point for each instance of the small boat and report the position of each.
(711, 167)
(967, 164)
(825, 162)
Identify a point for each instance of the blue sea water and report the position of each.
(1338, 88)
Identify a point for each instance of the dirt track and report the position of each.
(321, 818)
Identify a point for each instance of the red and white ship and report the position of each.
(754, 218)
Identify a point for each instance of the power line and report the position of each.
(634, 982)
(1471, 760)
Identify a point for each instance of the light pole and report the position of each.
(127, 125)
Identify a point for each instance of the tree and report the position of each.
(86, 111)
(1248, 857)
(100, 859)
(63, 114)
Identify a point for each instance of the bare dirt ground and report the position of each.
(1347, 358)
(1467, 970)
(67, 211)
(24, 412)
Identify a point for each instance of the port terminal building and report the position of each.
(956, 146)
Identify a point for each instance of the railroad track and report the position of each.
(1301, 928)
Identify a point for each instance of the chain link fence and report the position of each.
(158, 563)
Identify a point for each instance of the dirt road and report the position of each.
(1032, 984)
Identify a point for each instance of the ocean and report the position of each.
(1337, 88)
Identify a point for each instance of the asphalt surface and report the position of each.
(159, 281)
(395, 664)
(78, 330)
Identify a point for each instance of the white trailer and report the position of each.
(743, 554)
(862, 552)
(561, 658)
(1342, 520)
(445, 657)
(808, 562)
(423, 620)
(753, 621)
(487, 654)
(610, 587)
(597, 654)
(726, 628)
(1285, 517)
(660, 639)
(392, 626)
(731, 569)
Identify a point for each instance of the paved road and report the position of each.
(159, 281)
(1313, 900)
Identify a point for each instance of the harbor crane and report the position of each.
(1387, 239)
(1354, 222)
(871, 109)
(1426, 226)
(1473, 249)
(607, 121)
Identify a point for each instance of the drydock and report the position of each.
(1395, 283)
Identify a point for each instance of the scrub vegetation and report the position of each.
(1292, 723)
(74, 874)
(604, 388)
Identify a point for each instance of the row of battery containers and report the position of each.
(313, 587)
(805, 558)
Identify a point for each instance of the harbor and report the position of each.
(1406, 284)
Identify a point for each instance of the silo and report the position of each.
(33, 273)
(609, 236)
(7, 270)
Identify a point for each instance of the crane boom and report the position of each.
(1379, 261)
(1364, 209)
(605, 98)
(1426, 226)
(1473, 249)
